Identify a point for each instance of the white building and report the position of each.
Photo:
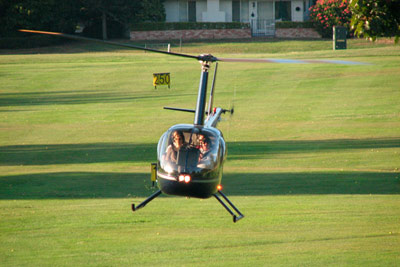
(261, 14)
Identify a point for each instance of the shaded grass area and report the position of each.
(254, 148)
(76, 153)
(68, 98)
(77, 185)
(72, 97)
(47, 154)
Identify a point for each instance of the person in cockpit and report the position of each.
(177, 143)
(204, 147)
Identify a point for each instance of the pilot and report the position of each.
(177, 142)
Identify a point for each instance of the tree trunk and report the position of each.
(104, 24)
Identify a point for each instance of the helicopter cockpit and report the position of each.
(188, 149)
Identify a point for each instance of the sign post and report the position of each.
(339, 37)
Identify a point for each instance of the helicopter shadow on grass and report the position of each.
(74, 98)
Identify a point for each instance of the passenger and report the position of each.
(177, 143)
(204, 147)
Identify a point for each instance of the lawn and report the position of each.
(313, 157)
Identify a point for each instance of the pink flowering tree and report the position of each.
(328, 13)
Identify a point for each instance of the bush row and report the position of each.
(293, 24)
(164, 26)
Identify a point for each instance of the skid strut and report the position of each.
(150, 198)
(235, 217)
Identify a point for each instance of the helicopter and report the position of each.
(190, 157)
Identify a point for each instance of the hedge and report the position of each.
(294, 24)
(164, 26)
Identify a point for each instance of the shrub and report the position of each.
(328, 13)
(164, 26)
(294, 24)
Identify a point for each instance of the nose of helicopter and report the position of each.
(185, 185)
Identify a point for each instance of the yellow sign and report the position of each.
(161, 79)
(153, 173)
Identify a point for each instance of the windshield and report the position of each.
(188, 149)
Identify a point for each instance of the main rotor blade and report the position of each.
(289, 61)
(207, 57)
(70, 36)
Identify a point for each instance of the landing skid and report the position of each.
(150, 198)
(236, 217)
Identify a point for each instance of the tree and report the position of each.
(99, 12)
(48, 15)
(118, 14)
(376, 18)
(64, 16)
(150, 11)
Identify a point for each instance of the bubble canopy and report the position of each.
(194, 151)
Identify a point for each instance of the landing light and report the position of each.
(219, 187)
(187, 178)
(184, 178)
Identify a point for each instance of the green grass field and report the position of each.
(313, 157)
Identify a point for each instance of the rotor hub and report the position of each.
(206, 60)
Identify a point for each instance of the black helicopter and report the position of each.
(190, 157)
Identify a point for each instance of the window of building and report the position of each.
(283, 10)
(244, 10)
(183, 8)
(192, 11)
(236, 11)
